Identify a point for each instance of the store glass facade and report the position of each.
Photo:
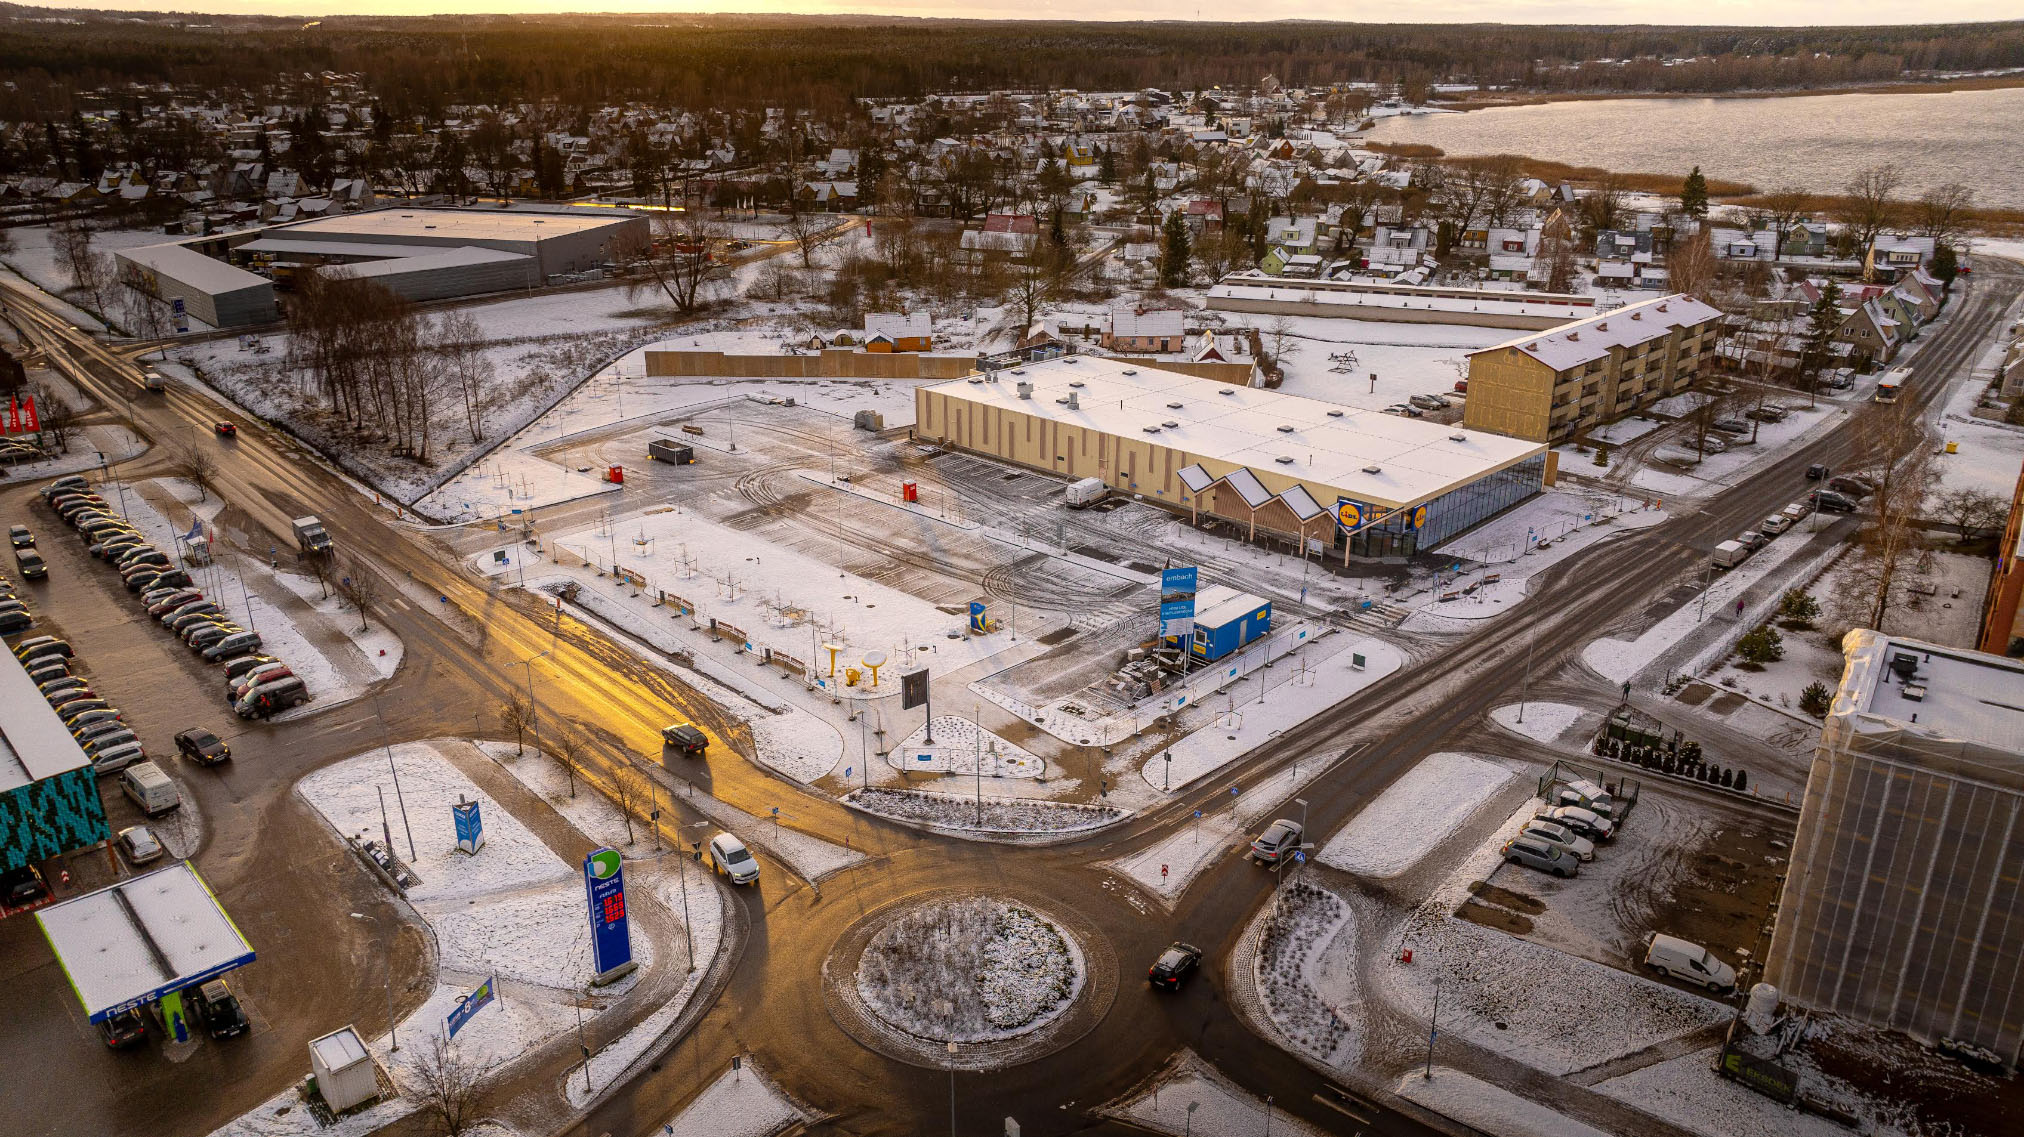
(1450, 514)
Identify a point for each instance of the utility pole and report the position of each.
(1433, 1028)
(1525, 689)
(387, 742)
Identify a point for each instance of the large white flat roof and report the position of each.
(33, 743)
(1326, 444)
(141, 938)
(1966, 695)
(205, 274)
(465, 224)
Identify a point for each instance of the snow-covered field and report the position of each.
(740, 1103)
(972, 969)
(1192, 1097)
(988, 815)
(1505, 553)
(1333, 359)
(1988, 453)
(1544, 722)
(1414, 815)
(1686, 1092)
(1490, 1109)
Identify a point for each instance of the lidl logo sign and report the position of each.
(1348, 514)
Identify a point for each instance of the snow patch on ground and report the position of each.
(1490, 1109)
(1687, 1092)
(1295, 931)
(1414, 815)
(962, 747)
(1544, 722)
(740, 1103)
(1167, 868)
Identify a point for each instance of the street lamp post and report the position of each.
(534, 708)
(952, 1089)
(682, 865)
(389, 961)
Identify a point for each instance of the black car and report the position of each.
(123, 1030)
(202, 747)
(1174, 965)
(1830, 502)
(23, 888)
(218, 1008)
(1816, 472)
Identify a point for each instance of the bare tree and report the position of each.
(1943, 210)
(517, 715)
(1691, 268)
(200, 466)
(1602, 206)
(451, 1090)
(809, 232)
(1890, 450)
(1281, 344)
(1869, 205)
(627, 790)
(1971, 511)
(56, 417)
(567, 748)
(1032, 287)
(72, 239)
(359, 585)
(676, 260)
(460, 348)
(1556, 253)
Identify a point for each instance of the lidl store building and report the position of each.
(1331, 478)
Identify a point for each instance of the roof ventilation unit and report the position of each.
(1075, 382)
(1170, 424)
(1151, 429)
(1227, 391)
(1458, 436)
(1131, 371)
(1074, 403)
(1373, 469)
(1335, 414)
(1173, 406)
(1284, 459)
(1285, 429)
(1025, 389)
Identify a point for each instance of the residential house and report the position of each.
(1891, 255)
(1143, 331)
(1870, 332)
(886, 332)
(1806, 239)
(1204, 216)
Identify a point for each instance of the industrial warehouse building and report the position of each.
(1553, 385)
(1303, 469)
(1908, 865)
(418, 254)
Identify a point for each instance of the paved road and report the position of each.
(285, 878)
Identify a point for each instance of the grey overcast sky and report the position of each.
(1750, 12)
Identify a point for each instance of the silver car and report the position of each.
(1583, 821)
(1554, 833)
(1545, 856)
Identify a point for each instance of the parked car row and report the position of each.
(1563, 834)
(15, 616)
(256, 685)
(14, 451)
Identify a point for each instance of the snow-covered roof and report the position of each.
(1330, 448)
(1960, 694)
(467, 224)
(190, 267)
(134, 941)
(1219, 604)
(1132, 321)
(1574, 344)
(33, 743)
(899, 325)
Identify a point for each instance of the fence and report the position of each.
(845, 363)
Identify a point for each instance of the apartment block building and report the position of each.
(1551, 385)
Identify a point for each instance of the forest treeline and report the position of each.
(420, 65)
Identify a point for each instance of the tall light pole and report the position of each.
(1525, 690)
(952, 1089)
(682, 866)
(534, 708)
(388, 960)
(387, 742)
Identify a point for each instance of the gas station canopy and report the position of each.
(131, 943)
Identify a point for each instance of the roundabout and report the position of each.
(968, 980)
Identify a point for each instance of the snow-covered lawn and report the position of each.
(972, 969)
(1687, 1092)
(1192, 1097)
(116, 442)
(1414, 815)
(591, 812)
(1294, 932)
(1712, 472)
(1491, 1109)
(704, 911)
(963, 747)
(1504, 554)
(1501, 993)
(993, 815)
(1334, 358)
(1543, 722)
(740, 1103)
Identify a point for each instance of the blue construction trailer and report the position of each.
(1226, 620)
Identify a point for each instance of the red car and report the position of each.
(225, 430)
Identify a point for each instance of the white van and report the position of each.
(1689, 962)
(728, 855)
(1729, 554)
(149, 788)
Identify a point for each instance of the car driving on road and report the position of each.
(1174, 965)
(202, 747)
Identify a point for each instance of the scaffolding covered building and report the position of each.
(1901, 906)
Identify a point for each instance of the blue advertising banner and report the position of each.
(470, 1005)
(604, 887)
(470, 826)
(1177, 600)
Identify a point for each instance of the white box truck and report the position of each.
(1729, 554)
(310, 537)
(1085, 493)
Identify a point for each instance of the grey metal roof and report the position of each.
(33, 743)
(190, 267)
(135, 941)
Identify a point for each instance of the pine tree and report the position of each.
(1821, 323)
(1174, 251)
(1946, 263)
(1106, 167)
(1694, 195)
